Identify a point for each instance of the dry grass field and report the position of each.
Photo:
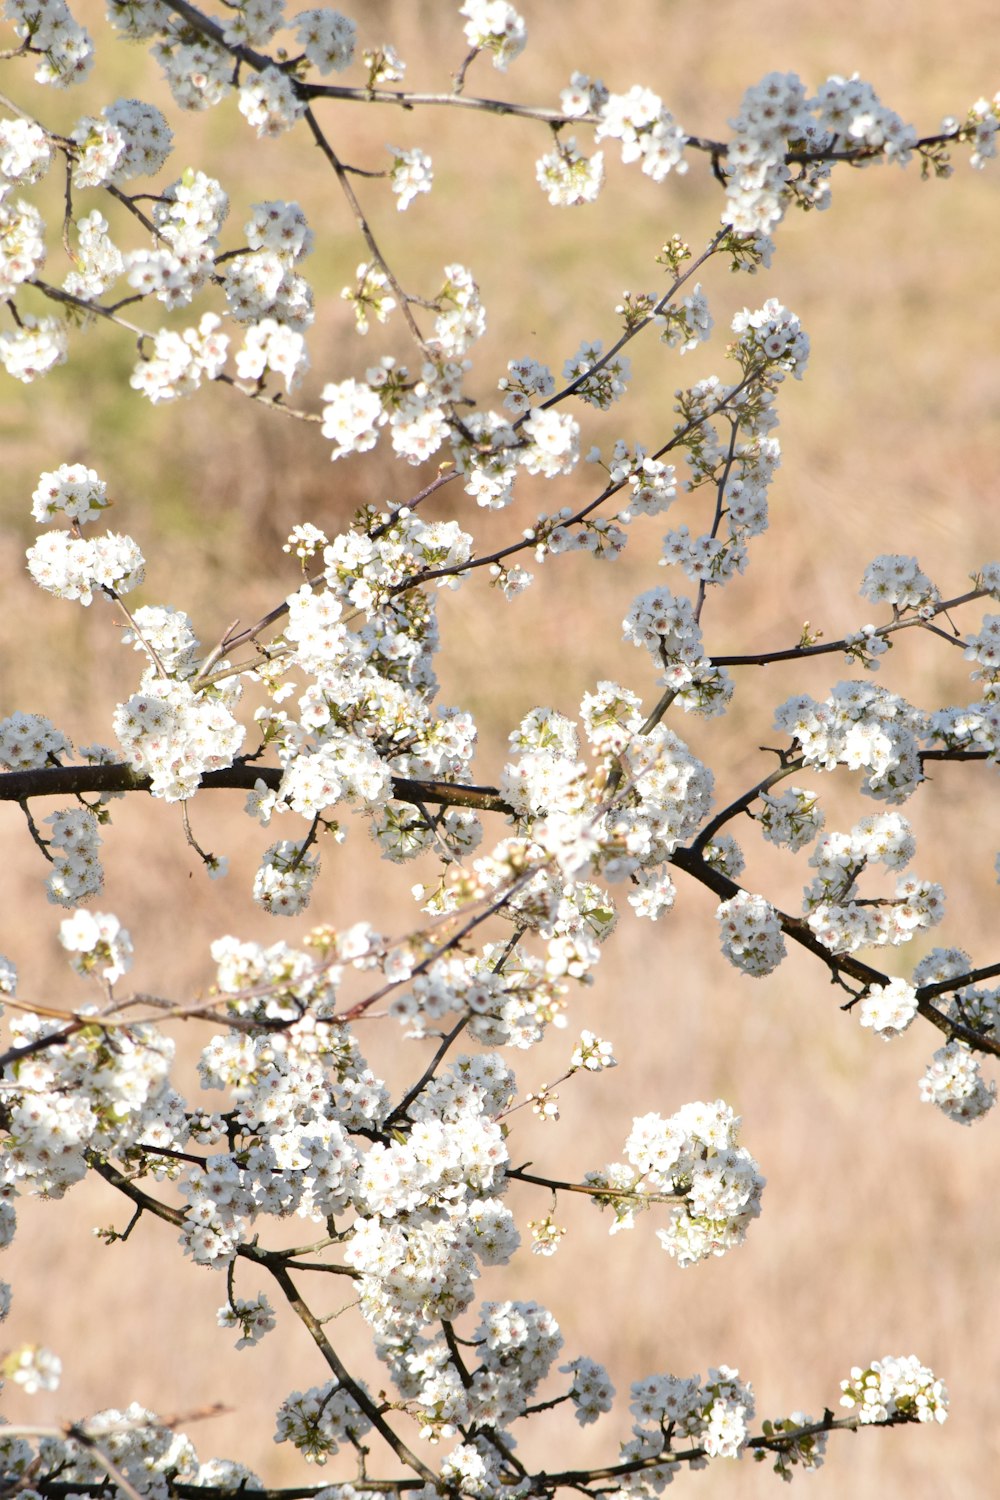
(881, 1219)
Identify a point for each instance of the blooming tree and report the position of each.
(329, 704)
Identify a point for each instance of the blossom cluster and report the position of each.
(899, 581)
(863, 727)
(664, 796)
(71, 567)
(777, 117)
(953, 1080)
(648, 132)
(174, 733)
(694, 1162)
(791, 820)
(73, 848)
(713, 1414)
(842, 920)
(30, 740)
(97, 1091)
(494, 26)
(895, 1386)
(751, 933)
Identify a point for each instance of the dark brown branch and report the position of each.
(839, 964)
(824, 648)
(69, 781)
(315, 1329)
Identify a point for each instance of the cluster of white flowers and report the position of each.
(687, 323)
(198, 72)
(25, 153)
(129, 139)
(953, 1081)
(741, 462)
(895, 1386)
(417, 413)
(713, 1415)
(67, 564)
(791, 820)
(773, 337)
(461, 318)
(751, 934)
(318, 1421)
(648, 132)
(174, 733)
(664, 796)
(865, 728)
(181, 361)
(984, 649)
(527, 384)
(98, 262)
(983, 124)
(411, 173)
(591, 1391)
(64, 49)
(653, 484)
(593, 1053)
(164, 634)
(71, 567)
(667, 626)
(253, 1319)
(553, 442)
(776, 118)
(371, 297)
(352, 415)
(252, 23)
(144, 1451)
(71, 490)
(270, 102)
(976, 726)
(73, 846)
(851, 114)
(773, 112)
(567, 176)
(598, 379)
(98, 1090)
(191, 211)
(889, 1008)
(22, 244)
(692, 1161)
(494, 26)
(899, 581)
(327, 38)
(187, 217)
(270, 345)
(33, 1368)
(843, 921)
(28, 740)
(264, 283)
(33, 348)
(100, 943)
(284, 882)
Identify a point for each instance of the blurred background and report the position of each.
(881, 1219)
